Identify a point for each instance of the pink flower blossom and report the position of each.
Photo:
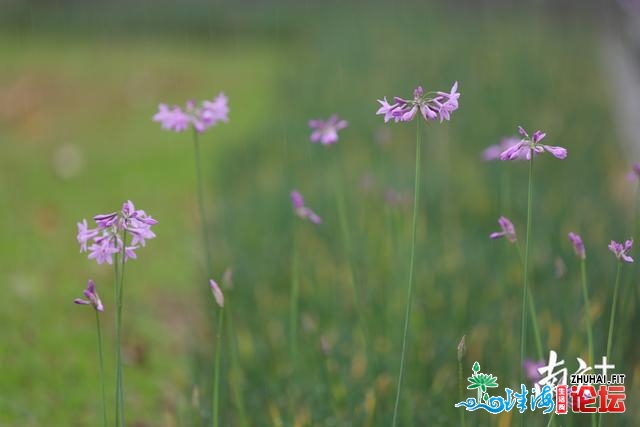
(621, 251)
(508, 230)
(634, 174)
(493, 151)
(91, 296)
(528, 145)
(326, 132)
(301, 210)
(107, 238)
(202, 117)
(432, 105)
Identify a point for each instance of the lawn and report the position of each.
(78, 140)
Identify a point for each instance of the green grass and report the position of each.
(99, 94)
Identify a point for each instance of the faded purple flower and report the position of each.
(107, 238)
(202, 117)
(528, 145)
(91, 296)
(531, 370)
(301, 210)
(508, 230)
(493, 151)
(326, 132)
(622, 251)
(217, 293)
(578, 246)
(432, 105)
(634, 174)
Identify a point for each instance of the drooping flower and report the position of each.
(201, 117)
(326, 132)
(508, 230)
(107, 238)
(528, 144)
(622, 251)
(301, 210)
(634, 174)
(578, 246)
(432, 105)
(493, 151)
(91, 296)
(217, 293)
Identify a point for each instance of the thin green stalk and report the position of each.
(235, 364)
(461, 392)
(525, 290)
(201, 208)
(120, 259)
(613, 310)
(293, 303)
(100, 353)
(407, 314)
(533, 314)
(216, 372)
(587, 308)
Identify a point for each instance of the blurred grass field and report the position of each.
(77, 138)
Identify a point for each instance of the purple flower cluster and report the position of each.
(432, 105)
(91, 296)
(201, 117)
(108, 238)
(508, 230)
(621, 251)
(528, 145)
(326, 132)
(634, 175)
(301, 210)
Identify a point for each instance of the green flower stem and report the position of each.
(613, 310)
(201, 208)
(235, 366)
(587, 308)
(216, 370)
(463, 423)
(533, 315)
(293, 302)
(118, 264)
(100, 353)
(407, 315)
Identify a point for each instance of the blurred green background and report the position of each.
(79, 83)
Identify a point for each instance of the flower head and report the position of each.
(432, 105)
(326, 132)
(107, 238)
(91, 296)
(621, 251)
(528, 145)
(578, 246)
(508, 230)
(201, 117)
(301, 210)
(217, 293)
(493, 151)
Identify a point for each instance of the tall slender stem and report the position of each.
(613, 310)
(233, 351)
(587, 308)
(463, 423)
(101, 355)
(120, 259)
(216, 372)
(525, 288)
(531, 305)
(201, 208)
(407, 314)
(293, 303)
